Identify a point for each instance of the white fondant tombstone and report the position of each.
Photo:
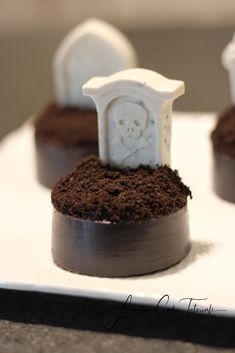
(134, 117)
(228, 60)
(94, 48)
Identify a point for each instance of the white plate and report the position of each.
(25, 231)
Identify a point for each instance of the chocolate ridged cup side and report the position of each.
(119, 249)
(54, 162)
(224, 176)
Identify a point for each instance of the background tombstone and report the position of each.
(134, 112)
(93, 48)
(228, 60)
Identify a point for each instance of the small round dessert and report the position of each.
(223, 140)
(114, 223)
(63, 136)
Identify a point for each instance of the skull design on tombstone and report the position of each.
(131, 120)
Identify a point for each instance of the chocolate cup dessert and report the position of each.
(223, 140)
(63, 136)
(114, 223)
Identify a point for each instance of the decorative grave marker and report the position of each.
(228, 60)
(93, 48)
(134, 117)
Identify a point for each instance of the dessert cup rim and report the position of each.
(109, 223)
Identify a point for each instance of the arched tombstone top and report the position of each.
(147, 81)
(134, 112)
(228, 60)
(93, 48)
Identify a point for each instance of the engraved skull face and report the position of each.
(131, 119)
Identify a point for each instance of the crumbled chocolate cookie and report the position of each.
(223, 137)
(67, 126)
(97, 192)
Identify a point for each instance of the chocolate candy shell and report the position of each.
(224, 176)
(119, 249)
(53, 162)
